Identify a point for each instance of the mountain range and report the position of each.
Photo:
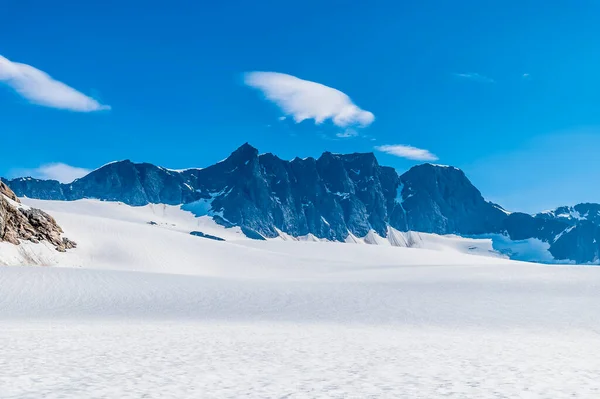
(332, 197)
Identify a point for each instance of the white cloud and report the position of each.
(303, 99)
(346, 134)
(407, 151)
(39, 88)
(476, 77)
(54, 171)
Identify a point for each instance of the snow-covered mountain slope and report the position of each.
(157, 238)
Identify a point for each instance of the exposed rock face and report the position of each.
(7, 192)
(124, 181)
(39, 189)
(440, 199)
(573, 232)
(329, 197)
(579, 243)
(20, 223)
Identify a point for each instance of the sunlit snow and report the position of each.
(148, 310)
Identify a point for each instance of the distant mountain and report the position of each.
(329, 197)
(572, 233)
(124, 181)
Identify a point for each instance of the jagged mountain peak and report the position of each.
(435, 168)
(356, 156)
(445, 179)
(242, 155)
(301, 160)
(446, 192)
(244, 151)
(582, 211)
(115, 164)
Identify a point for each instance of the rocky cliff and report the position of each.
(19, 223)
(572, 232)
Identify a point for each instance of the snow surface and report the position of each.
(140, 310)
(529, 250)
(156, 238)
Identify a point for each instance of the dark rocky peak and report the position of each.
(246, 148)
(433, 172)
(588, 211)
(134, 184)
(243, 155)
(238, 168)
(111, 175)
(37, 188)
(118, 169)
(268, 159)
(522, 226)
(443, 182)
(114, 166)
(564, 213)
(116, 181)
(298, 160)
(573, 214)
(579, 243)
(441, 199)
(360, 163)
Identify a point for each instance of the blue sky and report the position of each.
(507, 91)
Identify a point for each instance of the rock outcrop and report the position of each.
(7, 192)
(572, 232)
(19, 223)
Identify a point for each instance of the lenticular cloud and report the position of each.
(407, 151)
(303, 99)
(39, 88)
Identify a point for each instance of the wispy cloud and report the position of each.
(39, 88)
(475, 77)
(53, 171)
(303, 99)
(407, 151)
(346, 134)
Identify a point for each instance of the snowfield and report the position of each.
(237, 360)
(143, 310)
